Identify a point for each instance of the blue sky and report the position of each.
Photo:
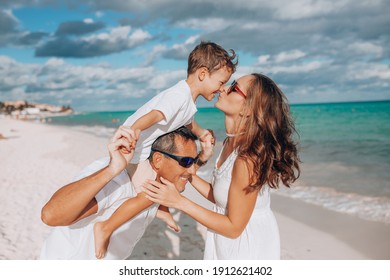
(114, 55)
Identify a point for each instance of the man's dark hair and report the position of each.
(166, 142)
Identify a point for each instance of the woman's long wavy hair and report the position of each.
(267, 144)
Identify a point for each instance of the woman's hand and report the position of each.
(164, 193)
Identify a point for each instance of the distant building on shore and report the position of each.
(22, 109)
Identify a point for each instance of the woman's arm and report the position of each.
(240, 203)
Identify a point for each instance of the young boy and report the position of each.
(209, 68)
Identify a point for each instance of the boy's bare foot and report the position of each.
(168, 219)
(102, 239)
(172, 224)
(175, 228)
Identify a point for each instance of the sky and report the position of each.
(115, 55)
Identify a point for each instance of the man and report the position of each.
(105, 185)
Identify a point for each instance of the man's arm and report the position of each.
(77, 200)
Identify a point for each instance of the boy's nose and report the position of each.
(223, 89)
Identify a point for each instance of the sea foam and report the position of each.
(365, 207)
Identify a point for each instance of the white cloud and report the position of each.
(99, 14)
(182, 50)
(55, 62)
(191, 40)
(14, 75)
(167, 79)
(263, 59)
(280, 58)
(139, 36)
(118, 33)
(209, 24)
(59, 80)
(297, 68)
(289, 55)
(11, 15)
(366, 48)
(154, 54)
(88, 20)
(119, 36)
(364, 71)
(4, 60)
(299, 9)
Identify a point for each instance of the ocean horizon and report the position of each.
(344, 148)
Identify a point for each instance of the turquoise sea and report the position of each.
(345, 152)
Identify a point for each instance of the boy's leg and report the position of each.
(138, 173)
(126, 211)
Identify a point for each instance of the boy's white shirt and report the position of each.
(178, 108)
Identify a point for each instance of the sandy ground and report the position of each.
(37, 159)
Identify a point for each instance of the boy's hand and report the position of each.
(207, 133)
(207, 142)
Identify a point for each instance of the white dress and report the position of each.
(260, 238)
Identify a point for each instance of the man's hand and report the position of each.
(121, 148)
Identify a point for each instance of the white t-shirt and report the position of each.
(178, 108)
(76, 242)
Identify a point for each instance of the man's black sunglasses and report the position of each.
(185, 162)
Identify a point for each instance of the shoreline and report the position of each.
(39, 158)
(356, 238)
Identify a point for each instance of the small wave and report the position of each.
(368, 208)
(100, 131)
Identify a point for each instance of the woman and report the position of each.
(257, 155)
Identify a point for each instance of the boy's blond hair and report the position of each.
(212, 56)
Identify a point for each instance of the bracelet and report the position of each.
(200, 162)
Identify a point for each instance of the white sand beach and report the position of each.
(37, 159)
